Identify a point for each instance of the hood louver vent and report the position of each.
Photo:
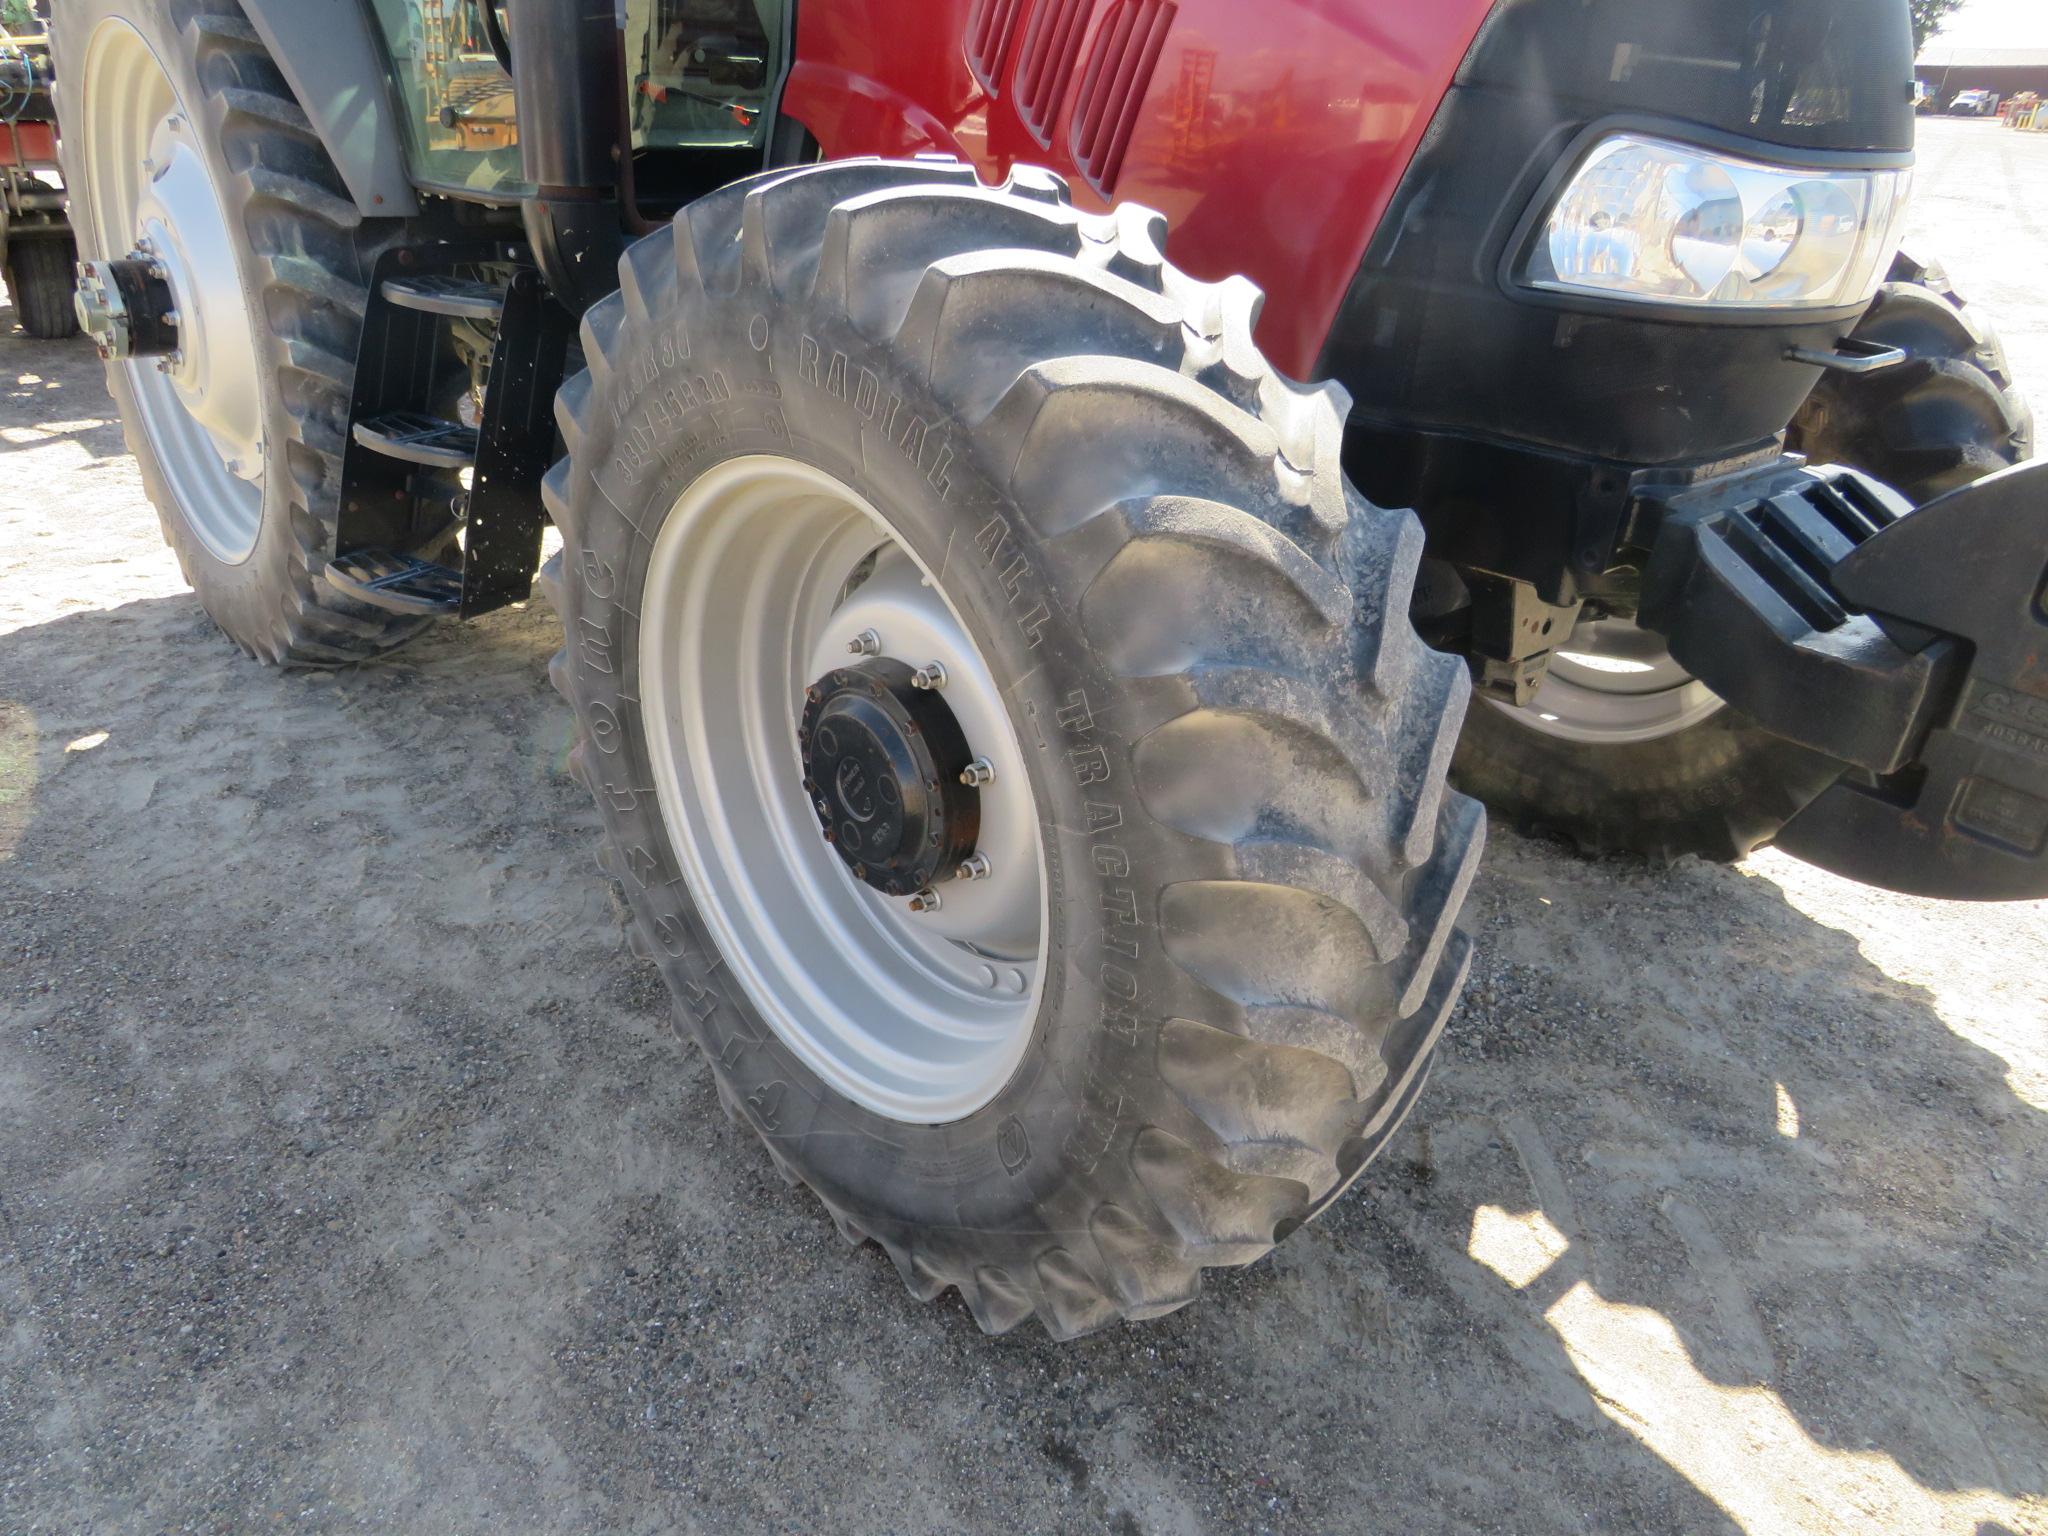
(1045, 63)
(1106, 112)
(990, 26)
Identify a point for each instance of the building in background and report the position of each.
(2006, 72)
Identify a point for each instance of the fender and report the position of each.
(331, 57)
(1271, 135)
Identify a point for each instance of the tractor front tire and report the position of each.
(1007, 436)
(174, 114)
(40, 272)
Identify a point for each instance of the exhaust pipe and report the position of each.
(569, 92)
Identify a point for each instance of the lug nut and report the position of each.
(926, 900)
(979, 772)
(931, 675)
(866, 643)
(974, 867)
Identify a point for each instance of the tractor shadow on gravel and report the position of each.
(333, 1100)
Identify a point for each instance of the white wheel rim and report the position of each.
(152, 192)
(918, 1017)
(1614, 683)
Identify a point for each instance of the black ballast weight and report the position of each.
(1911, 645)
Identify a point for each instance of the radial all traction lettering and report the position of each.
(1002, 555)
(1120, 926)
(830, 372)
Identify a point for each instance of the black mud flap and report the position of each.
(1967, 817)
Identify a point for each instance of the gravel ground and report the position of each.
(349, 1180)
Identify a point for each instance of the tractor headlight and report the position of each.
(1659, 222)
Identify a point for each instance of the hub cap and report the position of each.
(882, 763)
(1614, 683)
(779, 600)
(153, 198)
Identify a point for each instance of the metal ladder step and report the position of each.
(396, 583)
(458, 298)
(419, 438)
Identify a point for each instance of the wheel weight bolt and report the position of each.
(974, 867)
(926, 900)
(931, 675)
(980, 771)
(866, 643)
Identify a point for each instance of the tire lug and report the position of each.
(926, 900)
(974, 867)
(931, 675)
(979, 772)
(866, 643)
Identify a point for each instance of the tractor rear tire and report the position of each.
(40, 272)
(1231, 744)
(253, 543)
(1722, 786)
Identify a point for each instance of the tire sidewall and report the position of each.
(753, 374)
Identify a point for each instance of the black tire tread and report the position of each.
(39, 280)
(1950, 414)
(1258, 516)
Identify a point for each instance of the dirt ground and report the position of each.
(349, 1179)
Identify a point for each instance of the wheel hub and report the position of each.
(780, 601)
(883, 763)
(185, 235)
(125, 308)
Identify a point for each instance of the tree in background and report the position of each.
(1928, 15)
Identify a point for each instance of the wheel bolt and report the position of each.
(931, 675)
(980, 771)
(926, 900)
(866, 643)
(974, 867)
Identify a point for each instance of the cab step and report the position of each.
(396, 583)
(418, 438)
(454, 298)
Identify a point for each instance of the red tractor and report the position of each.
(1022, 736)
